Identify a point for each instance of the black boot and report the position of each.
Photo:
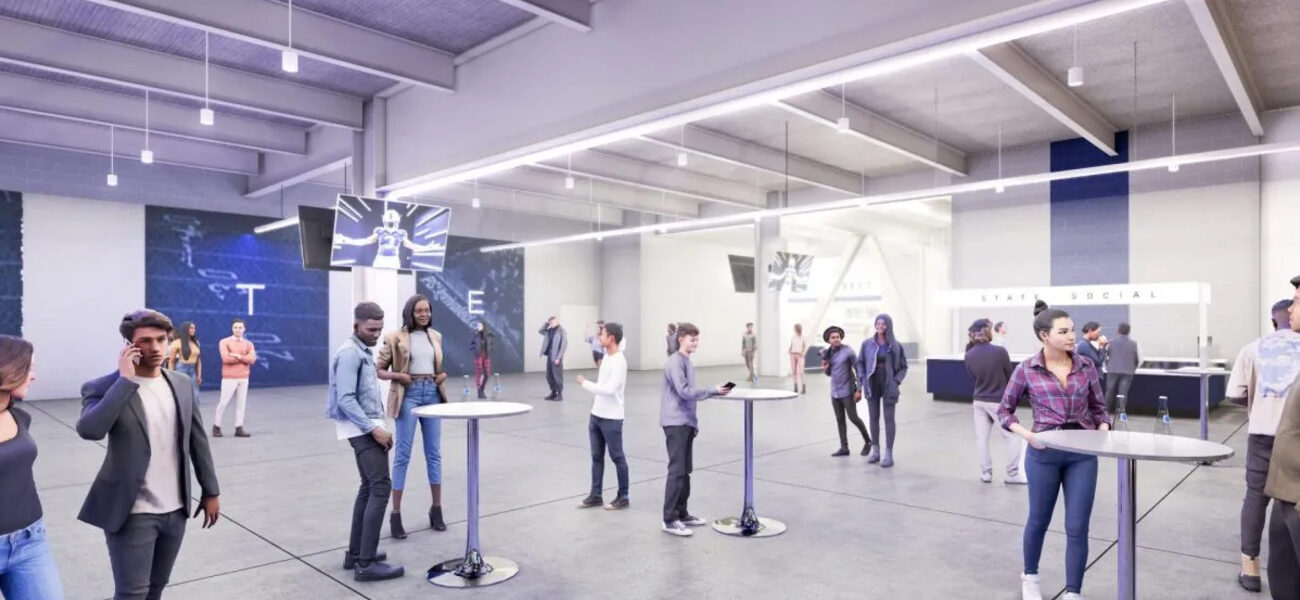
(435, 519)
(481, 394)
(395, 526)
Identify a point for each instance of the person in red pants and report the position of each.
(481, 346)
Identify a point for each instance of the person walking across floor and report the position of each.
(358, 415)
(27, 568)
(882, 366)
(554, 342)
(990, 368)
(839, 362)
(1261, 375)
(678, 417)
(605, 426)
(1283, 486)
(142, 495)
(237, 359)
(798, 350)
(597, 349)
(748, 348)
(1064, 392)
(411, 359)
(1122, 361)
(185, 356)
(480, 345)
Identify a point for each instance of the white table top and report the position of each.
(1198, 371)
(739, 393)
(1133, 444)
(472, 410)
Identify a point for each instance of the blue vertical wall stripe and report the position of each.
(11, 263)
(1090, 228)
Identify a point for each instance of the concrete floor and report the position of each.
(925, 529)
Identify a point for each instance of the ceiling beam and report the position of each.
(1010, 64)
(724, 148)
(574, 14)
(328, 150)
(315, 36)
(613, 168)
(53, 98)
(79, 136)
(544, 182)
(1216, 29)
(65, 52)
(826, 109)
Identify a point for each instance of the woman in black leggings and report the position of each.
(882, 365)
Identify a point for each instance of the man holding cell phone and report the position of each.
(141, 496)
(678, 418)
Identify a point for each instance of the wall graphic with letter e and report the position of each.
(475, 286)
(210, 268)
(11, 263)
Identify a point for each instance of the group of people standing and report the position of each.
(875, 372)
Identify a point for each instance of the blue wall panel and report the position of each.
(499, 276)
(194, 262)
(11, 263)
(1090, 227)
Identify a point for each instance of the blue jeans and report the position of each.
(421, 393)
(193, 372)
(607, 433)
(27, 567)
(1049, 471)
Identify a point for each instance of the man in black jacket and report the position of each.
(141, 496)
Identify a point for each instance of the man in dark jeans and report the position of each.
(678, 418)
(554, 342)
(605, 428)
(1122, 361)
(358, 415)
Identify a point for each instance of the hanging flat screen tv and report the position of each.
(389, 234)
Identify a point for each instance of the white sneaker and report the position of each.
(676, 528)
(1017, 479)
(986, 477)
(693, 521)
(1072, 596)
(1029, 589)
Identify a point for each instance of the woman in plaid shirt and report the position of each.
(1065, 392)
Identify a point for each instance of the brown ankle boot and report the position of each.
(239, 432)
(216, 431)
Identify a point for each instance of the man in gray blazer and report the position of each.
(141, 496)
(554, 342)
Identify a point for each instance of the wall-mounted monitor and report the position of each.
(389, 234)
(316, 235)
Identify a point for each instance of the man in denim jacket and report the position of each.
(357, 410)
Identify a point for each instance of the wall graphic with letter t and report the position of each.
(11, 263)
(209, 268)
(475, 286)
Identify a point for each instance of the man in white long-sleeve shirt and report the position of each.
(606, 425)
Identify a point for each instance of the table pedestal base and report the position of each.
(749, 525)
(474, 570)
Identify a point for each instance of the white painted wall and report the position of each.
(556, 277)
(84, 270)
(1279, 210)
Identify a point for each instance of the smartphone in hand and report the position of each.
(728, 385)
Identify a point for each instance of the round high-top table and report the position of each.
(749, 524)
(473, 569)
(1128, 447)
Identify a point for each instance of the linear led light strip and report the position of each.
(902, 58)
(974, 186)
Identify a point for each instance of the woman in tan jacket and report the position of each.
(412, 360)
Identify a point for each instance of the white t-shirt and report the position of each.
(609, 387)
(1263, 373)
(346, 430)
(161, 491)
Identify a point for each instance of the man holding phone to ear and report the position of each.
(141, 496)
(358, 414)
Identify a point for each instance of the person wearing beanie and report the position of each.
(990, 367)
(838, 361)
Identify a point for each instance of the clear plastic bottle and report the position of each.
(1163, 424)
(1121, 419)
(496, 386)
(464, 392)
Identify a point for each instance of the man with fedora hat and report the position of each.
(838, 361)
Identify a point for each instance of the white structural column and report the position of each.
(380, 286)
(767, 241)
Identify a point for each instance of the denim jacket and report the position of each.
(354, 386)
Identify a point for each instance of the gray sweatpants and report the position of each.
(986, 420)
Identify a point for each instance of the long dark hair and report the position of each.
(1043, 318)
(408, 312)
(186, 340)
(980, 333)
(890, 340)
(15, 364)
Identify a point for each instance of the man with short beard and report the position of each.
(141, 496)
(358, 414)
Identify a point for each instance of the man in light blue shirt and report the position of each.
(677, 417)
(357, 410)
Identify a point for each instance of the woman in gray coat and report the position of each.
(882, 365)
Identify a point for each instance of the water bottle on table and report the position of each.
(464, 392)
(496, 386)
(1121, 420)
(1163, 424)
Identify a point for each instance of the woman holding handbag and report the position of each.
(412, 360)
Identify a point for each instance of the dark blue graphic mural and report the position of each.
(11, 263)
(209, 268)
(474, 286)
